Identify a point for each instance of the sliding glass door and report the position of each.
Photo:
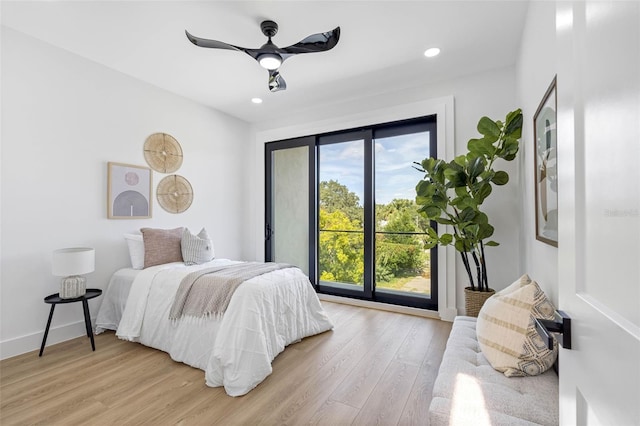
(342, 250)
(403, 266)
(341, 206)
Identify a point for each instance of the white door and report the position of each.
(598, 57)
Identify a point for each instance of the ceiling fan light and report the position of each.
(270, 61)
(432, 52)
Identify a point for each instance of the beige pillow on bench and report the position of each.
(506, 330)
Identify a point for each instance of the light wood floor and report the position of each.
(376, 367)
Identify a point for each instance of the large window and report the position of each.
(366, 237)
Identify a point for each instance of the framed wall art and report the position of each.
(128, 191)
(546, 168)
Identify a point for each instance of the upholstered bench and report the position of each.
(468, 391)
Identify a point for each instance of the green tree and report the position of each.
(385, 213)
(341, 256)
(335, 196)
(397, 252)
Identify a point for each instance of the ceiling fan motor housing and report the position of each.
(269, 28)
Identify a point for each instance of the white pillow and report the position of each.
(136, 250)
(196, 249)
(506, 330)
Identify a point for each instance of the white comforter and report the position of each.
(265, 314)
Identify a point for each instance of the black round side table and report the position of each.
(55, 299)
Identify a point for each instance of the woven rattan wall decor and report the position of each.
(163, 153)
(174, 194)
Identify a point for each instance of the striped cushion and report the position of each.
(196, 249)
(506, 331)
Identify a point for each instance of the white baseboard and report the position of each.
(448, 314)
(380, 306)
(31, 342)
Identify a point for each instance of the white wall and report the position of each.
(63, 118)
(536, 68)
(492, 94)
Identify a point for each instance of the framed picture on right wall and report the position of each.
(546, 167)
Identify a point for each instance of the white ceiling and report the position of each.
(380, 50)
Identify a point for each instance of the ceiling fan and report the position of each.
(270, 56)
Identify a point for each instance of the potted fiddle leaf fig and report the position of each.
(453, 193)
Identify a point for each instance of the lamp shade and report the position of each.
(73, 261)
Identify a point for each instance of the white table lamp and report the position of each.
(71, 263)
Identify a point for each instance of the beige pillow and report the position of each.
(161, 246)
(506, 330)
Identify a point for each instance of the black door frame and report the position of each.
(310, 142)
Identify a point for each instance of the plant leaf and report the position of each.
(500, 178)
(467, 214)
(432, 233)
(440, 201)
(481, 218)
(460, 160)
(484, 231)
(428, 164)
(484, 189)
(514, 124)
(446, 239)
(460, 246)
(485, 148)
(456, 178)
(473, 146)
(431, 243)
(476, 167)
(489, 129)
(510, 145)
(444, 221)
(424, 188)
(491, 244)
(465, 201)
(461, 191)
(432, 211)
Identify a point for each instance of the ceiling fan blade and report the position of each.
(276, 82)
(215, 44)
(320, 42)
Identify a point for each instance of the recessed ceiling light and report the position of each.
(256, 100)
(431, 52)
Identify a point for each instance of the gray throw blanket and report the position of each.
(207, 292)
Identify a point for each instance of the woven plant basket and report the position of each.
(474, 299)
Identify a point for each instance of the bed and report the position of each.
(265, 314)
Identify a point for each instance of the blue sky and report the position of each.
(395, 176)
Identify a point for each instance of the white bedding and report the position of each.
(114, 299)
(265, 314)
